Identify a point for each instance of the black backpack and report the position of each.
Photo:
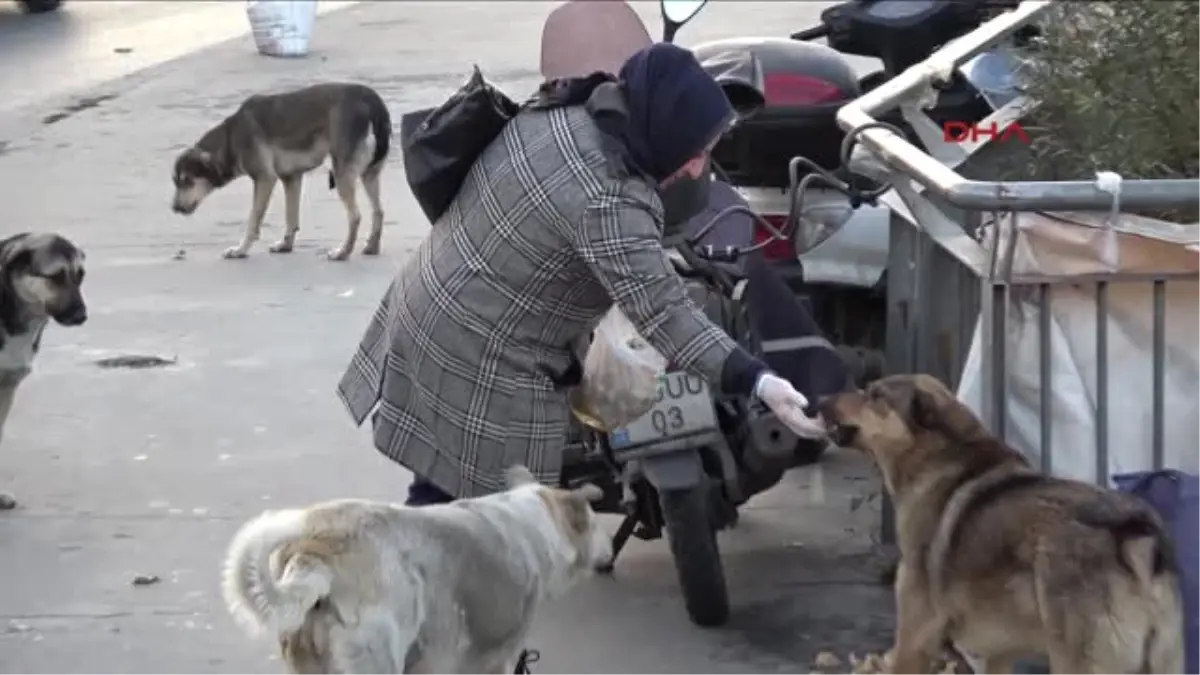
(440, 145)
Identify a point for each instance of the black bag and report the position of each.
(567, 91)
(440, 146)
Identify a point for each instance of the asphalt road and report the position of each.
(123, 472)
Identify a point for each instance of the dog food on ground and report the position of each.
(828, 662)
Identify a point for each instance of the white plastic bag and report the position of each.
(282, 27)
(621, 372)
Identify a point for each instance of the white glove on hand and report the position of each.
(788, 405)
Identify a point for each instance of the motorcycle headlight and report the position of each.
(821, 221)
(996, 74)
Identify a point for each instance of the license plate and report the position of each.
(684, 409)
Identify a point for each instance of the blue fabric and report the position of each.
(777, 314)
(675, 108)
(1176, 497)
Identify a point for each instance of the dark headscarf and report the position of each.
(675, 108)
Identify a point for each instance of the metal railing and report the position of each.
(944, 279)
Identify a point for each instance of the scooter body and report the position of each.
(685, 467)
(684, 475)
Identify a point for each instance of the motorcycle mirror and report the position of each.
(675, 13)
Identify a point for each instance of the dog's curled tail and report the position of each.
(1143, 547)
(1146, 551)
(255, 597)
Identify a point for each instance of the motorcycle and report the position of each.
(683, 469)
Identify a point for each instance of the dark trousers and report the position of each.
(424, 493)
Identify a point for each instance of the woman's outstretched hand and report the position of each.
(788, 405)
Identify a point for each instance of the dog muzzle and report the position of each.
(842, 435)
(74, 315)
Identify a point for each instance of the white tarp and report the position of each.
(1047, 245)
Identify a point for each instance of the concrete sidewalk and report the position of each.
(147, 472)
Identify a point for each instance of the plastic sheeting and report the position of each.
(1050, 245)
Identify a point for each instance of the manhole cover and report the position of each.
(135, 362)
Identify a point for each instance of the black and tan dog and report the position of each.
(279, 138)
(40, 280)
(1001, 561)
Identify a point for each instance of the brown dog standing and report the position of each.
(277, 138)
(1000, 560)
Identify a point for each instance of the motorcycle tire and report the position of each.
(40, 6)
(692, 534)
(807, 452)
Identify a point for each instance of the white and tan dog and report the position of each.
(353, 586)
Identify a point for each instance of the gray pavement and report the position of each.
(148, 472)
(91, 42)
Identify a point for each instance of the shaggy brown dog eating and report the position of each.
(1000, 560)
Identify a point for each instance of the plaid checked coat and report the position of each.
(545, 234)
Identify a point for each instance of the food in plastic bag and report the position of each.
(621, 373)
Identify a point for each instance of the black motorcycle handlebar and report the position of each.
(814, 33)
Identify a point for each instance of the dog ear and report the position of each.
(576, 511)
(198, 163)
(589, 493)
(517, 475)
(923, 409)
(933, 406)
(15, 256)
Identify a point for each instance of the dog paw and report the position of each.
(281, 247)
(372, 248)
(235, 253)
(7, 502)
(338, 254)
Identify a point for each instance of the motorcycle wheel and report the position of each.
(692, 534)
(807, 452)
(39, 6)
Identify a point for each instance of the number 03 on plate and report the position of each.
(684, 408)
